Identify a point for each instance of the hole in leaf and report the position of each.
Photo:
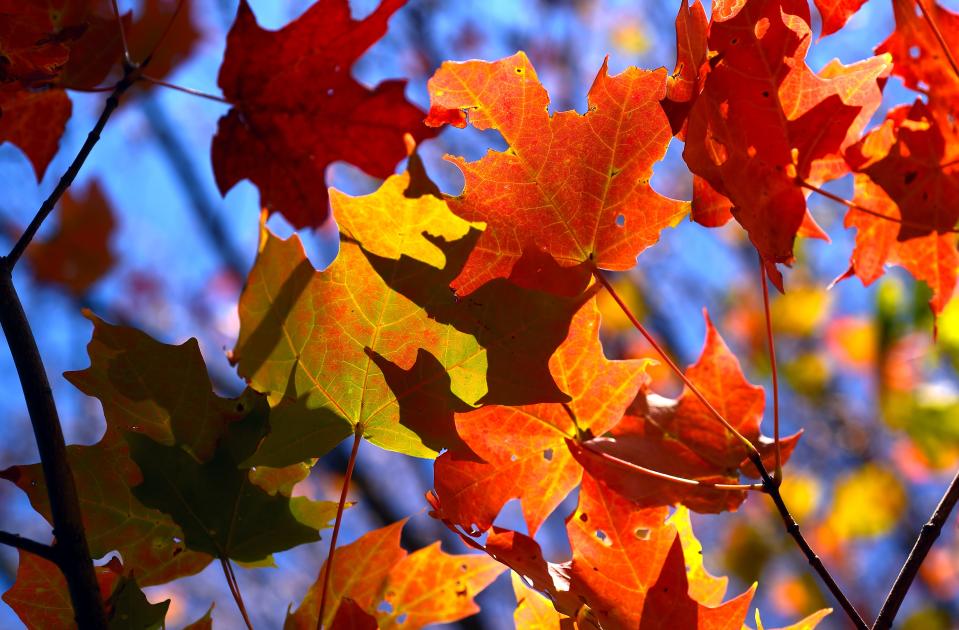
(329, 92)
(385, 606)
(914, 52)
(548, 454)
(513, 457)
(603, 538)
(911, 176)
(402, 618)
(620, 220)
(641, 533)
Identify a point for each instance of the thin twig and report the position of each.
(778, 473)
(879, 215)
(927, 536)
(769, 485)
(185, 90)
(749, 447)
(71, 545)
(667, 477)
(130, 76)
(935, 31)
(235, 591)
(357, 438)
(29, 545)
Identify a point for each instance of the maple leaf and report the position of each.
(682, 86)
(917, 54)
(533, 611)
(575, 186)
(752, 131)
(350, 616)
(34, 121)
(931, 258)
(78, 253)
(520, 452)
(148, 540)
(835, 13)
(129, 607)
(39, 595)
(296, 109)
(682, 438)
(46, 45)
(220, 510)
(631, 567)
(335, 347)
(398, 589)
(178, 44)
(627, 571)
(913, 157)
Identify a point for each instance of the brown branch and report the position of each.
(71, 545)
(29, 545)
(771, 487)
(130, 76)
(927, 536)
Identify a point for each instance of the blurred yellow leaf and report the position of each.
(800, 311)
(866, 503)
(852, 341)
(801, 492)
(630, 37)
(614, 320)
(808, 623)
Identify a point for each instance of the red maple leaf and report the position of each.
(835, 13)
(763, 119)
(918, 55)
(682, 438)
(296, 109)
(575, 186)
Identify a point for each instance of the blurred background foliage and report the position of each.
(863, 376)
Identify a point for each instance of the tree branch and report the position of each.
(71, 545)
(771, 487)
(29, 545)
(130, 76)
(927, 536)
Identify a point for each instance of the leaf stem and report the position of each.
(166, 31)
(130, 76)
(667, 477)
(235, 590)
(938, 33)
(123, 33)
(927, 536)
(778, 472)
(749, 447)
(855, 206)
(769, 485)
(71, 547)
(357, 439)
(29, 545)
(185, 90)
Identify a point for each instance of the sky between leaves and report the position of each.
(292, 378)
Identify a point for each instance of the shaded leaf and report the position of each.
(520, 452)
